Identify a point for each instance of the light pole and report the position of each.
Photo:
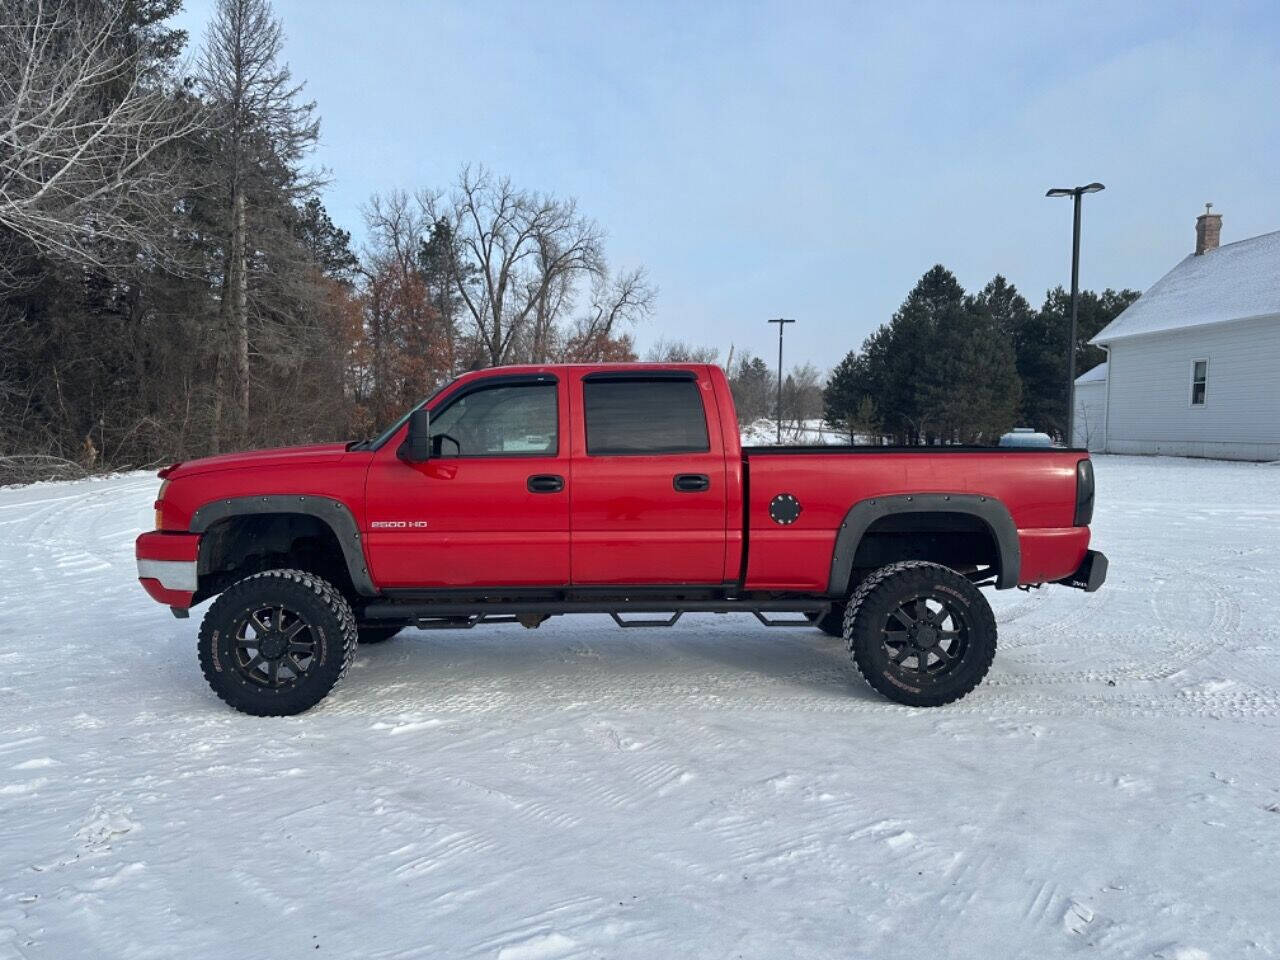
(1076, 193)
(781, 322)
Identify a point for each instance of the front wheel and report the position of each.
(920, 633)
(275, 644)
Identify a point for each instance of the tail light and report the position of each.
(1084, 493)
(159, 504)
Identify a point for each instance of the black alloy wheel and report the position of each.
(274, 646)
(925, 638)
(920, 633)
(275, 643)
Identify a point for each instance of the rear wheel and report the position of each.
(920, 633)
(276, 643)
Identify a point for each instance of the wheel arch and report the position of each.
(989, 512)
(325, 513)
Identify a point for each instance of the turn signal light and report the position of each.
(159, 505)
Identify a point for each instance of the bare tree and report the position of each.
(84, 136)
(263, 132)
(524, 253)
(677, 351)
(408, 342)
(802, 402)
(615, 302)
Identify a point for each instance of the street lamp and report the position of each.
(1076, 193)
(781, 322)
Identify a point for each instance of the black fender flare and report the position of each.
(335, 514)
(864, 513)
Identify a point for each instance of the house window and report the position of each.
(1199, 381)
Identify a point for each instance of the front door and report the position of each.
(648, 479)
(491, 506)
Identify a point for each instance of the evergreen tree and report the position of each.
(445, 269)
(907, 369)
(942, 370)
(327, 245)
(845, 397)
(976, 397)
(1042, 351)
(262, 132)
(753, 387)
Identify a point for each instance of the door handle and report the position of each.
(545, 483)
(691, 482)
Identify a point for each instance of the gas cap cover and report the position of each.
(784, 509)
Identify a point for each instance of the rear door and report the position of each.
(648, 479)
(491, 506)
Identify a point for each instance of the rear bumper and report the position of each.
(167, 566)
(1090, 575)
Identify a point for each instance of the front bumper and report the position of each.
(1090, 575)
(167, 566)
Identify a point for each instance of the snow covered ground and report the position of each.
(715, 790)
(763, 433)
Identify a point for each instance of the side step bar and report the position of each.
(445, 615)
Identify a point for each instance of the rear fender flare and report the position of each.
(864, 513)
(333, 513)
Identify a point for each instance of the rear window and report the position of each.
(644, 416)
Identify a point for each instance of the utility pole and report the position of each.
(1076, 193)
(781, 322)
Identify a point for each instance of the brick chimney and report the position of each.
(1208, 230)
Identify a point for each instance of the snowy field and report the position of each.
(716, 790)
(763, 433)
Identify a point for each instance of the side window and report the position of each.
(644, 416)
(1199, 381)
(511, 421)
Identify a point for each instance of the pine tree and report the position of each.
(942, 370)
(263, 132)
(327, 245)
(845, 394)
(752, 384)
(1042, 351)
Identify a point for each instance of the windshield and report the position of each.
(387, 434)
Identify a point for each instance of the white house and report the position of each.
(1193, 366)
(1091, 408)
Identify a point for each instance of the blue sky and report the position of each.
(812, 160)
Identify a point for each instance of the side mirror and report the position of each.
(416, 447)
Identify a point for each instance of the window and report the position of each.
(499, 421)
(639, 416)
(1199, 381)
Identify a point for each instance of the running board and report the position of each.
(464, 616)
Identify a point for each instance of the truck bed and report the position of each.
(1037, 487)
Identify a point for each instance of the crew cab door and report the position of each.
(491, 506)
(648, 479)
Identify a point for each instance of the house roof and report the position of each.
(1238, 281)
(1097, 374)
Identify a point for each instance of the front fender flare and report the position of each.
(333, 513)
(864, 513)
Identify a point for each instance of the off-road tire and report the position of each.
(329, 628)
(377, 632)
(886, 590)
(832, 622)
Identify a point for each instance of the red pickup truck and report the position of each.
(518, 493)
